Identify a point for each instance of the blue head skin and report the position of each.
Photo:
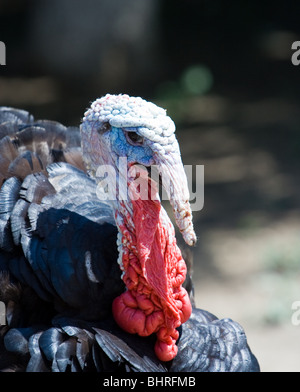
(119, 126)
(122, 146)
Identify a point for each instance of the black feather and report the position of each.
(49, 342)
(208, 344)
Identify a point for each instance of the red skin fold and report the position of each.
(155, 301)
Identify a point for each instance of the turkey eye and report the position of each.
(134, 139)
(104, 127)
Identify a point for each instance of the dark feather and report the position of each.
(49, 341)
(37, 361)
(140, 358)
(15, 116)
(28, 162)
(208, 344)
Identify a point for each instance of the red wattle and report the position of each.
(155, 301)
(165, 352)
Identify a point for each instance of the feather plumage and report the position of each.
(59, 271)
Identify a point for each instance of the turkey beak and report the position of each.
(175, 183)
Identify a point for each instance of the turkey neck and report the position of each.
(153, 271)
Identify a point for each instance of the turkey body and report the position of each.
(59, 270)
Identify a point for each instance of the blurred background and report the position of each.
(223, 71)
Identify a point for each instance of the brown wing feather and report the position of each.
(27, 147)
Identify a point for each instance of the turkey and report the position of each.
(90, 272)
